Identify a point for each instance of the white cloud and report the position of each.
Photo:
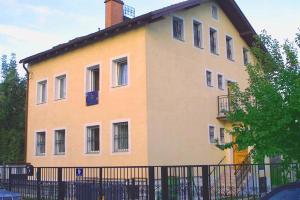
(24, 34)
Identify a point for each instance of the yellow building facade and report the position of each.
(161, 104)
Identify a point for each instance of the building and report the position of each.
(151, 90)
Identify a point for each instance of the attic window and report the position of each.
(178, 28)
(215, 12)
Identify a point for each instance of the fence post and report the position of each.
(100, 182)
(60, 184)
(164, 183)
(190, 183)
(9, 178)
(205, 182)
(151, 183)
(38, 180)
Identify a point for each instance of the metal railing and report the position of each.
(223, 105)
(149, 182)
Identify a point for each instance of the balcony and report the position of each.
(92, 98)
(223, 107)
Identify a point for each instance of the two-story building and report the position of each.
(150, 90)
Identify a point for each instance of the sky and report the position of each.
(31, 26)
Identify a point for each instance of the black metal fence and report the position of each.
(207, 182)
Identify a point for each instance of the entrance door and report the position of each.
(239, 156)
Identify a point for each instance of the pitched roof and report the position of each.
(230, 8)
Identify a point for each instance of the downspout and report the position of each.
(26, 113)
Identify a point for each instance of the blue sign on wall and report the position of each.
(79, 171)
(92, 98)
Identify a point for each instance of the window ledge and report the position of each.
(93, 153)
(179, 39)
(119, 86)
(230, 59)
(216, 54)
(42, 103)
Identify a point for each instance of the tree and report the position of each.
(266, 115)
(12, 101)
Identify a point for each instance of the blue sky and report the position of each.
(30, 26)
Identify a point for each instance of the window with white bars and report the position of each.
(59, 142)
(60, 87)
(120, 72)
(42, 92)
(213, 37)
(246, 56)
(120, 137)
(40, 143)
(93, 139)
(215, 12)
(209, 81)
(197, 29)
(211, 133)
(178, 28)
(220, 82)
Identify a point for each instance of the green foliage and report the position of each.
(266, 115)
(12, 101)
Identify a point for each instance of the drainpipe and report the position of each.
(26, 113)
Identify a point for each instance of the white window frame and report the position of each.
(232, 50)
(212, 79)
(54, 151)
(212, 13)
(86, 126)
(248, 56)
(222, 142)
(217, 43)
(87, 77)
(57, 87)
(35, 143)
(202, 33)
(208, 131)
(112, 136)
(113, 71)
(38, 98)
(223, 81)
(183, 28)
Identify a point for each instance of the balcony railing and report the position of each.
(223, 106)
(92, 98)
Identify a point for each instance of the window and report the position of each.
(120, 137)
(40, 143)
(213, 40)
(60, 87)
(229, 47)
(220, 82)
(246, 56)
(93, 77)
(211, 132)
(214, 12)
(93, 139)
(209, 78)
(197, 28)
(120, 72)
(42, 92)
(59, 142)
(222, 135)
(178, 28)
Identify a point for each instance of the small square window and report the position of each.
(120, 137)
(93, 139)
(120, 72)
(40, 143)
(213, 34)
(209, 78)
(59, 142)
(229, 47)
(222, 135)
(215, 12)
(42, 92)
(60, 87)
(220, 82)
(197, 28)
(211, 132)
(178, 28)
(246, 56)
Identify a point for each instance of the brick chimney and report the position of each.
(113, 12)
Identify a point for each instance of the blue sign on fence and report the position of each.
(79, 171)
